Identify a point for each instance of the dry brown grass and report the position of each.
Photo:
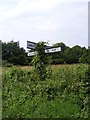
(53, 67)
(26, 67)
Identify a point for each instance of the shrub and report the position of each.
(6, 64)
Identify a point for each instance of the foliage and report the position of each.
(6, 64)
(69, 55)
(12, 52)
(62, 45)
(39, 61)
(64, 94)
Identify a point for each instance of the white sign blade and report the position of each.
(31, 53)
(53, 50)
(31, 45)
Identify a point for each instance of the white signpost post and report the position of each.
(32, 45)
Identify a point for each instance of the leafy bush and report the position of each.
(62, 95)
(6, 64)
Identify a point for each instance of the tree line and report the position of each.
(14, 54)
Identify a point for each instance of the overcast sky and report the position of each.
(44, 20)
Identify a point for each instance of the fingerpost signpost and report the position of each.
(48, 49)
(39, 61)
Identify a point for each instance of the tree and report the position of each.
(85, 56)
(72, 55)
(62, 45)
(13, 53)
(59, 58)
(68, 55)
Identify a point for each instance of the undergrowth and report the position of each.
(63, 94)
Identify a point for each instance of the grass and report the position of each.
(62, 95)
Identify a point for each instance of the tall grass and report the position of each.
(64, 94)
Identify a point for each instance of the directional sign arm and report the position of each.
(31, 53)
(52, 50)
(31, 45)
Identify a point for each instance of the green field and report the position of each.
(63, 94)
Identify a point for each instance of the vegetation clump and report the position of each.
(12, 52)
(60, 92)
(63, 95)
